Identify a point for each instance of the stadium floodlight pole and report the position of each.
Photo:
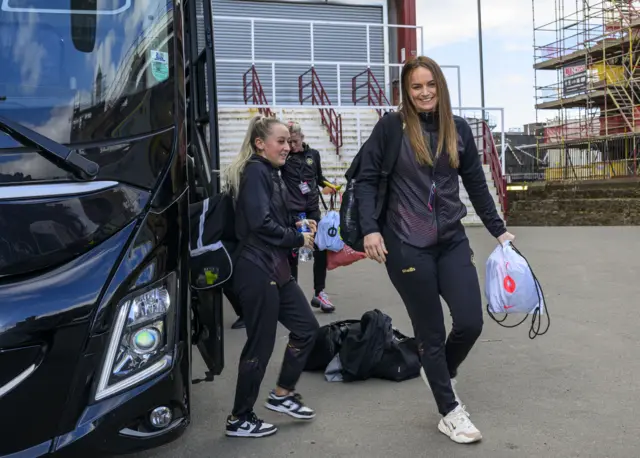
(481, 58)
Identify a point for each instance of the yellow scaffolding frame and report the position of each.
(596, 94)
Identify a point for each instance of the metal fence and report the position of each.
(597, 159)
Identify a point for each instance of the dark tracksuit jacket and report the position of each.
(263, 216)
(263, 285)
(302, 167)
(428, 252)
(410, 185)
(305, 167)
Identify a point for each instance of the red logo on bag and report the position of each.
(509, 285)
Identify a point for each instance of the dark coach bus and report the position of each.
(105, 140)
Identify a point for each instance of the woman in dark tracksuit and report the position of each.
(302, 173)
(421, 238)
(262, 279)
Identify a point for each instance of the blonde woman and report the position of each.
(421, 238)
(302, 173)
(262, 279)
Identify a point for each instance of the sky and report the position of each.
(451, 38)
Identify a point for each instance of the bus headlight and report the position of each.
(141, 340)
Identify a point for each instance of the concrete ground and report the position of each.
(573, 392)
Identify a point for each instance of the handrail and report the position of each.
(375, 94)
(500, 181)
(257, 94)
(330, 119)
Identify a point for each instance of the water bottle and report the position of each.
(304, 254)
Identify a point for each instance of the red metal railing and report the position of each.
(491, 156)
(375, 94)
(257, 94)
(330, 119)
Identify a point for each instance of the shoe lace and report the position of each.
(461, 418)
(253, 418)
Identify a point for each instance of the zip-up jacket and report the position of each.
(303, 167)
(424, 205)
(263, 218)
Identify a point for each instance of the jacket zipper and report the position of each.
(435, 204)
(433, 186)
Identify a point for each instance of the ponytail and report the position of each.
(259, 127)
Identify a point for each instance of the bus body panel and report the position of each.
(111, 87)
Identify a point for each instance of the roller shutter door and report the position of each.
(278, 41)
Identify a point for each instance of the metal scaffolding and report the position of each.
(587, 72)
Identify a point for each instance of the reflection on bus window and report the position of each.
(124, 87)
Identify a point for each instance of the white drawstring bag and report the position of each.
(328, 234)
(512, 288)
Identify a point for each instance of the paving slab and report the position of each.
(573, 392)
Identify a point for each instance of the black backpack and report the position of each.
(213, 241)
(214, 246)
(350, 230)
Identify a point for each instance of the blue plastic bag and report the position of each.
(328, 235)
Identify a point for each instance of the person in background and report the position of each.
(421, 238)
(262, 281)
(302, 173)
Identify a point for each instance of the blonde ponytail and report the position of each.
(259, 127)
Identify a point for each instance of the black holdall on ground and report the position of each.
(400, 361)
(368, 347)
(328, 342)
(350, 230)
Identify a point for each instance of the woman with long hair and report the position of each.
(421, 238)
(262, 280)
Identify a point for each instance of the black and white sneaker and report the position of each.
(291, 404)
(249, 426)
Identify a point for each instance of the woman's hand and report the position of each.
(374, 247)
(507, 236)
(308, 239)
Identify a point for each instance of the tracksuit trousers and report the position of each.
(264, 303)
(421, 276)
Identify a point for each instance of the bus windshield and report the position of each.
(81, 71)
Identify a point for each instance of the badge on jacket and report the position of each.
(304, 188)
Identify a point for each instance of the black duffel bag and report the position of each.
(400, 361)
(328, 342)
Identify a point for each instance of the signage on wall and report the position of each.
(574, 79)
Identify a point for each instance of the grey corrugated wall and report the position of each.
(278, 41)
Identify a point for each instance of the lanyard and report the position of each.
(302, 165)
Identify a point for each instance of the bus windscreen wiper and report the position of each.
(57, 153)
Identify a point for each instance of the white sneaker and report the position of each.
(458, 427)
(453, 386)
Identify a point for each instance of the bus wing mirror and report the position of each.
(83, 25)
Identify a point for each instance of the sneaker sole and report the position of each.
(250, 435)
(457, 439)
(288, 412)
